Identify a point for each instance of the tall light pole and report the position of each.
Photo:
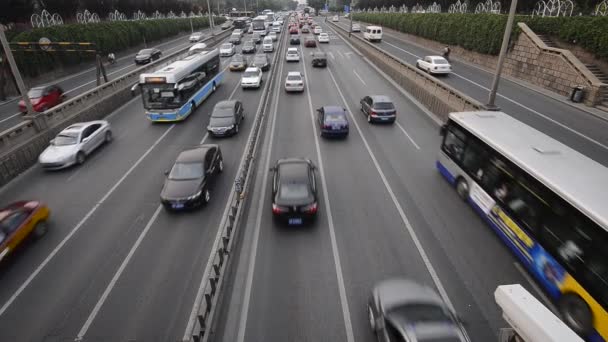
(210, 18)
(245, 4)
(350, 16)
(501, 58)
(11, 61)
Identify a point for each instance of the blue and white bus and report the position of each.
(259, 25)
(173, 92)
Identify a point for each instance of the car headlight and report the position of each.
(196, 195)
(231, 127)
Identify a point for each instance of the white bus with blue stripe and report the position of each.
(175, 91)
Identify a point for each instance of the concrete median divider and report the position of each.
(437, 96)
(21, 145)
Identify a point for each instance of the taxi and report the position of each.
(20, 220)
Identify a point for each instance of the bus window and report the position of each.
(525, 207)
(454, 142)
(475, 156)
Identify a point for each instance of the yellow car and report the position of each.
(19, 221)
(238, 63)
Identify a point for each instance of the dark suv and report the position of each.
(319, 59)
(378, 108)
(294, 39)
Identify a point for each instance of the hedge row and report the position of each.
(108, 36)
(483, 32)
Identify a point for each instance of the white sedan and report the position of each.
(434, 65)
(196, 36)
(73, 144)
(323, 37)
(273, 36)
(294, 81)
(227, 50)
(252, 78)
(356, 27)
(292, 55)
(317, 30)
(335, 18)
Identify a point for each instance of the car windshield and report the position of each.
(334, 117)
(293, 190)
(145, 52)
(292, 52)
(226, 46)
(294, 78)
(222, 112)
(249, 43)
(64, 139)
(185, 171)
(197, 34)
(250, 74)
(237, 59)
(259, 59)
(35, 93)
(420, 313)
(383, 105)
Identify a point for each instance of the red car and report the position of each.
(310, 42)
(293, 30)
(20, 220)
(43, 98)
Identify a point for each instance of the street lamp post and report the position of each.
(11, 61)
(350, 16)
(210, 18)
(501, 58)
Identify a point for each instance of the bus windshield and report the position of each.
(161, 96)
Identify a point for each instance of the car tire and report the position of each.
(108, 137)
(220, 166)
(371, 318)
(462, 188)
(576, 314)
(369, 119)
(40, 229)
(206, 196)
(80, 157)
(236, 128)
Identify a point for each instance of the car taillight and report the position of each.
(373, 113)
(311, 208)
(326, 126)
(277, 209)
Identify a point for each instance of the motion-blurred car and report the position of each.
(239, 32)
(235, 38)
(226, 25)
(332, 121)
(323, 37)
(197, 48)
(19, 221)
(252, 78)
(73, 144)
(294, 191)
(145, 56)
(227, 50)
(267, 45)
(43, 98)
(293, 30)
(294, 39)
(238, 63)
(188, 184)
(196, 37)
(273, 36)
(226, 118)
(305, 29)
(294, 81)
(402, 310)
(261, 61)
(257, 38)
(310, 42)
(249, 47)
(434, 65)
(356, 27)
(319, 59)
(335, 18)
(378, 108)
(317, 30)
(292, 55)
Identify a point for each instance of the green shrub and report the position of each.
(107, 36)
(483, 32)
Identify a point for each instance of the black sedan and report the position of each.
(319, 59)
(261, 61)
(249, 47)
(402, 310)
(189, 182)
(226, 118)
(378, 108)
(294, 39)
(145, 56)
(257, 38)
(294, 191)
(332, 121)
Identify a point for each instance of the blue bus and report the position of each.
(174, 92)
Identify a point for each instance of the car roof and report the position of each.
(294, 73)
(292, 49)
(226, 104)
(146, 50)
(380, 98)
(252, 69)
(193, 155)
(395, 292)
(293, 168)
(79, 126)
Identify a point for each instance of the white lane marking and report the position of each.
(350, 336)
(571, 130)
(80, 224)
(359, 77)
(331, 55)
(204, 138)
(348, 54)
(117, 275)
(540, 293)
(340, 53)
(258, 220)
(407, 135)
(10, 117)
(406, 221)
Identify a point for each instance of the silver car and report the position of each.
(402, 310)
(73, 144)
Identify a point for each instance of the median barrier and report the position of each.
(437, 96)
(21, 145)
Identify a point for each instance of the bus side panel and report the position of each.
(200, 96)
(447, 168)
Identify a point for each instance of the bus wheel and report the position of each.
(462, 188)
(576, 314)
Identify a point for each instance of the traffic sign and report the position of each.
(44, 43)
(346, 9)
(326, 7)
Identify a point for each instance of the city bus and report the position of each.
(240, 23)
(173, 92)
(259, 25)
(547, 203)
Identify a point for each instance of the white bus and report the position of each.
(173, 92)
(259, 25)
(547, 202)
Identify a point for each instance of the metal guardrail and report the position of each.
(443, 97)
(214, 276)
(13, 136)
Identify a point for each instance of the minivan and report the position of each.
(267, 45)
(373, 33)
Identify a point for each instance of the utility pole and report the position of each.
(245, 4)
(350, 16)
(11, 61)
(210, 17)
(191, 27)
(501, 58)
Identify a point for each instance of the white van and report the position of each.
(373, 33)
(267, 45)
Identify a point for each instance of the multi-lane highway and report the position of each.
(572, 126)
(78, 83)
